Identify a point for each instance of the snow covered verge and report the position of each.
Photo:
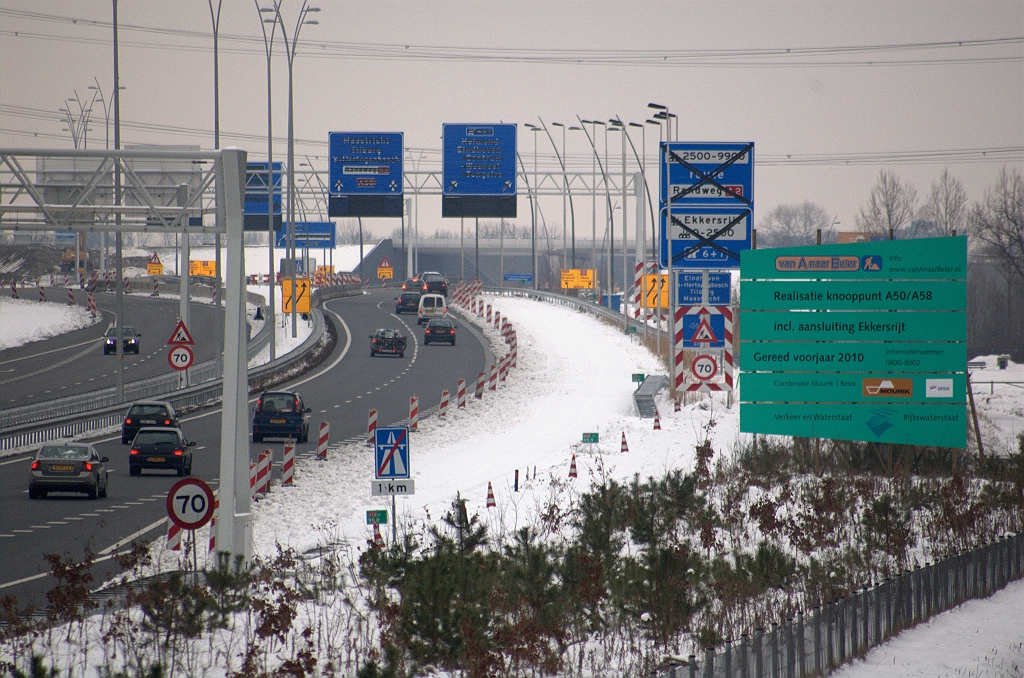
(748, 529)
(25, 321)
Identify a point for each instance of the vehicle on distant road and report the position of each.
(432, 306)
(387, 341)
(161, 449)
(147, 413)
(129, 341)
(439, 331)
(280, 414)
(68, 467)
(411, 285)
(408, 302)
(433, 282)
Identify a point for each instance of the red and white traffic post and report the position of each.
(442, 408)
(288, 465)
(460, 397)
(481, 381)
(321, 446)
(371, 426)
(414, 414)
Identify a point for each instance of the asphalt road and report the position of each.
(74, 363)
(340, 391)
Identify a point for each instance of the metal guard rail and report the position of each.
(97, 418)
(574, 302)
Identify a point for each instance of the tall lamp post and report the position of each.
(565, 191)
(663, 113)
(106, 145)
(289, 49)
(533, 205)
(608, 195)
(218, 315)
(268, 45)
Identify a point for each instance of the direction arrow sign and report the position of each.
(190, 503)
(181, 336)
(391, 453)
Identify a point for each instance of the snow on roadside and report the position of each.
(25, 321)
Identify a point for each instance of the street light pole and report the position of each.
(106, 145)
(268, 45)
(118, 323)
(663, 111)
(218, 315)
(565, 192)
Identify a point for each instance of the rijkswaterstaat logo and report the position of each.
(881, 420)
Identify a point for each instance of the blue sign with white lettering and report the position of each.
(479, 160)
(518, 277)
(256, 188)
(690, 291)
(365, 163)
(693, 229)
(703, 330)
(309, 235)
(391, 453)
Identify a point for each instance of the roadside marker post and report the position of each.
(213, 527)
(442, 409)
(321, 447)
(263, 473)
(371, 426)
(71, 296)
(288, 465)
(624, 447)
(657, 420)
(490, 496)
(173, 536)
(414, 414)
(480, 381)
(572, 467)
(488, 314)
(460, 397)
(492, 378)
(252, 481)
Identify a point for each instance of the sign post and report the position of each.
(180, 357)
(391, 467)
(190, 505)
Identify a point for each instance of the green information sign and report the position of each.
(379, 516)
(856, 342)
(590, 438)
(638, 378)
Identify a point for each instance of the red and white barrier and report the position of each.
(378, 540)
(492, 378)
(71, 296)
(288, 465)
(442, 409)
(414, 414)
(92, 304)
(42, 295)
(213, 526)
(321, 446)
(263, 473)
(503, 368)
(624, 447)
(480, 381)
(127, 285)
(657, 420)
(156, 288)
(490, 496)
(460, 394)
(371, 427)
(488, 314)
(572, 468)
(497, 319)
(252, 481)
(676, 406)
(515, 349)
(173, 536)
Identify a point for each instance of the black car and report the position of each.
(129, 341)
(432, 282)
(408, 302)
(411, 285)
(161, 449)
(280, 414)
(440, 330)
(387, 341)
(147, 413)
(68, 467)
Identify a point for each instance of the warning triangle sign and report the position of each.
(181, 336)
(154, 259)
(704, 332)
(384, 263)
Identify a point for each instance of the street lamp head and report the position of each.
(575, 128)
(652, 122)
(312, 9)
(268, 10)
(270, 21)
(658, 107)
(557, 124)
(635, 124)
(311, 22)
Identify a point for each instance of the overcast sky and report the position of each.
(412, 66)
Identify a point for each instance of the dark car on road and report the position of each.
(129, 341)
(433, 282)
(68, 467)
(411, 285)
(408, 302)
(160, 449)
(388, 342)
(438, 331)
(280, 414)
(147, 413)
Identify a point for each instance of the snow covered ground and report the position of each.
(574, 377)
(23, 321)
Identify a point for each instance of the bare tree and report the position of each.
(947, 205)
(791, 225)
(891, 206)
(998, 221)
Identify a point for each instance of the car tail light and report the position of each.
(134, 451)
(35, 465)
(427, 331)
(88, 466)
(167, 422)
(128, 421)
(178, 453)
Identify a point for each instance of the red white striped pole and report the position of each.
(503, 368)
(442, 409)
(488, 314)
(252, 481)
(173, 536)
(480, 381)
(378, 541)
(371, 427)
(263, 473)
(572, 468)
(490, 496)
(213, 527)
(657, 420)
(460, 394)
(497, 319)
(321, 446)
(127, 285)
(42, 295)
(71, 296)
(414, 413)
(92, 304)
(288, 465)
(624, 447)
(676, 407)
(492, 378)
(156, 287)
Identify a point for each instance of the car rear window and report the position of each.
(410, 297)
(63, 452)
(147, 411)
(428, 302)
(156, 438)
(278, 403)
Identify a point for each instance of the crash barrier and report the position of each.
(822, 639)
(76, 415)
(643, 397)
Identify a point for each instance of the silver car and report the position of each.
(68, 467)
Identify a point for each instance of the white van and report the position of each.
(432, 306)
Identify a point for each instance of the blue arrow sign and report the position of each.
(256, 188)
(365, 163)
(479, 160)
(391, 453)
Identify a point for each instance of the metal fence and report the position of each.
(816, 643)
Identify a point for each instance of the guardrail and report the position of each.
(99, 416)
(574, 302)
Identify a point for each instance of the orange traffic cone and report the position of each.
(657, 421)
(572, 467)
(378, 540)
(625, 447)
(490, 496)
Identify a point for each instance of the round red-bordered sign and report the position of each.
(704, 367)
(190, 503)
(180, 358)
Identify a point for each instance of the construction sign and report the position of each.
(576, 278)
(181, 336)
(203, 268)
(154, 267)
(656, 290)
(303, 287)
(384, 270)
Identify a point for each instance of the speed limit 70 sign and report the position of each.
(190, 503)
(180, 357)
(704, 367)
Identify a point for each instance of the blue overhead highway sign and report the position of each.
(707, 173)
(309, 235)
(478, 171)
(365, 163)
(705, 237)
